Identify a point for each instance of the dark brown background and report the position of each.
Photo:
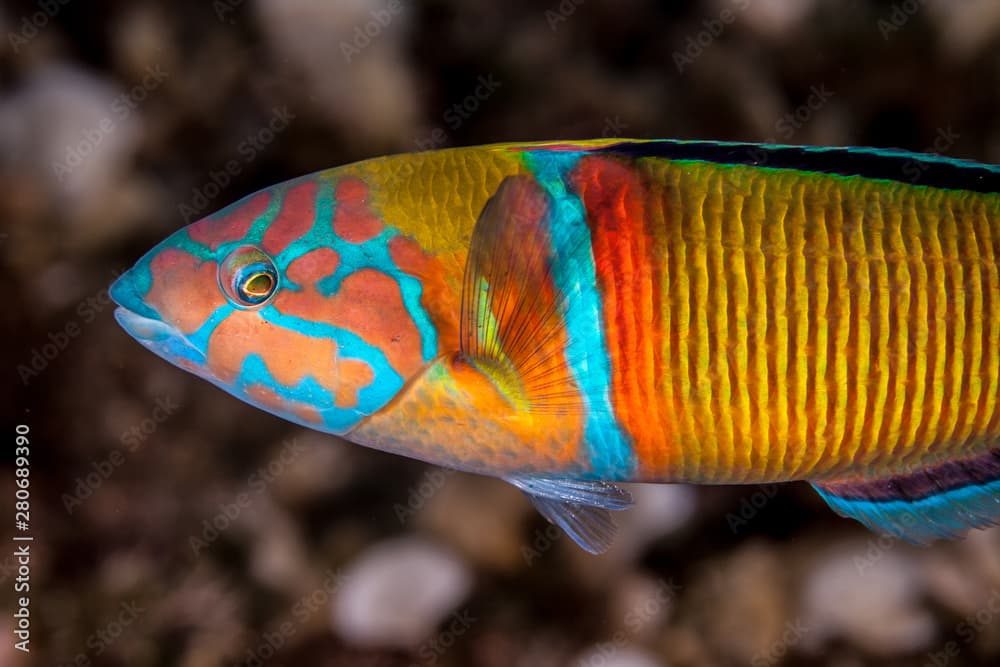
(89, 180)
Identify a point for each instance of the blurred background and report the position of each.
(174, 525)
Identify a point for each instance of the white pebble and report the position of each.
(88, 136)
(868, 593)
(611, 655)
(396, 593)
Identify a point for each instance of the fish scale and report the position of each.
(568, 315)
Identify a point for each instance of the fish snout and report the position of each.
(125, 293)
(134, 315)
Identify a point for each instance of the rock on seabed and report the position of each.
(397, 593)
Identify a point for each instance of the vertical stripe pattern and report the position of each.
(794, 324)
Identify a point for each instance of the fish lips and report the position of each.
(142, 323)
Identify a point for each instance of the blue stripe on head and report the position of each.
(349, 346)
(574, 274)
(371, 254)
(306, 392)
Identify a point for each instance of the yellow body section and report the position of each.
(815, 325)
(800, 325)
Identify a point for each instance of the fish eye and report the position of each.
(248, 277)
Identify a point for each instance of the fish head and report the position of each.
(299, 300)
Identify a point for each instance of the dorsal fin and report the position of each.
(512, 311)
(876, 163)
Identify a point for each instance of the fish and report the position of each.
(573, 315)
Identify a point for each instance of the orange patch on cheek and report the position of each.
(266, 398)
(313, 266)
(290, 356)
(353, 220)
(370, 304)
(230, 224)
(185, 290)
(296, 217)
(408, 255)
(439, 299)
(355, 375)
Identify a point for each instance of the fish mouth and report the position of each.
(142, 323)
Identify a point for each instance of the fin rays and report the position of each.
(938, 502)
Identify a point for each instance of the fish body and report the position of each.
(570, 315)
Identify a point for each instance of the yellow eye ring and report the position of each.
(248, 277)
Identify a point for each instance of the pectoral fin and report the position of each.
(512, 323)
(581, 508)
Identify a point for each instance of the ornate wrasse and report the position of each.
(570, 315)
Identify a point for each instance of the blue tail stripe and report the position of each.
(945, 515)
